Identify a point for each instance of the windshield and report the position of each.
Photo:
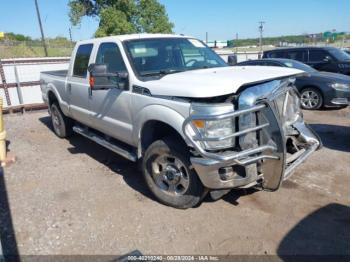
(300, 66)
(340, 55)
(153, 57)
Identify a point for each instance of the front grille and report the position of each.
(261, 110)
(284, 103)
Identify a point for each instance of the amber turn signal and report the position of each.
(199, 123)
(92, 81)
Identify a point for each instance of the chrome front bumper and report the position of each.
(265, 163)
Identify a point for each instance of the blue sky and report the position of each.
(222, 19)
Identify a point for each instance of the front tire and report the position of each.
(169, 175)
(62, 125)
(311, 99)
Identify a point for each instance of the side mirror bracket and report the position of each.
(232, 60)
(327, 59)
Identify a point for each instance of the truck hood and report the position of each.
(214, 82)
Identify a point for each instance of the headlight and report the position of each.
(216, 129)
(340, 86)
(291, 108)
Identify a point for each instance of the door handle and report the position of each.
(69, 87)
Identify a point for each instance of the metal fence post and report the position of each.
(4, 84)
(18, 87)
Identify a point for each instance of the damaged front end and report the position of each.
(262, 137)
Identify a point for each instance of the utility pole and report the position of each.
(261, 30)
(236, 43)
(70, 34)
(206, 37)
(41, 27)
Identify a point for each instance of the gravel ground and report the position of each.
(75, 197)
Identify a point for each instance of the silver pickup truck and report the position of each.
(194, 123)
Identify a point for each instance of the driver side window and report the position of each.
(196, 56)
(191, 56)
(109, 54)
(318, 56)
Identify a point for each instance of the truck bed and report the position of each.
(60, 73)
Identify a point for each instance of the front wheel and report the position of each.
(311, 99)
(169, 175)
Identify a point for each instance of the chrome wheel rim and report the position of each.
(310, 99)
(170, 175)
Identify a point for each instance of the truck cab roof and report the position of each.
(131, 37)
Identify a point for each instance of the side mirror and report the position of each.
(97, 69)
(327, 59)
(232, 60)
(100, 78)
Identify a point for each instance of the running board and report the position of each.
(120, 150)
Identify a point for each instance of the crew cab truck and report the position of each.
(194, 123)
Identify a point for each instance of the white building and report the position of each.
(219, 44)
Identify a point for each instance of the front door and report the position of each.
(110, 107)
(322, 61)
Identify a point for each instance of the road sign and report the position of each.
(2, 34)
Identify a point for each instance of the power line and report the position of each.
(41, 27)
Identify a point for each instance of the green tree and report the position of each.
(152, 17)
(113, 22)
(122, 16)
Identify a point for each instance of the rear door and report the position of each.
(299, 55)
(78, 84)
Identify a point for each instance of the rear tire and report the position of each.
(311, 98)
(169, 175)
(62, 125)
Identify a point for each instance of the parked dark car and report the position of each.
(317, 89)
(328, 59)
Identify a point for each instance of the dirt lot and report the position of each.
(75, 197)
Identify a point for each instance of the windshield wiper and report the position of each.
(162, 72)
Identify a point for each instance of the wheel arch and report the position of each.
(54, 96)
(154, 130)
(314, 87)
(150, 126)
(51, 97)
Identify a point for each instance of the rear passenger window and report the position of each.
(317, 55)
(250, 63)
(297, 55)
(82, 60)
(271, 64)
(278, 54)
(109, 54)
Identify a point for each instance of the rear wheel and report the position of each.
(62, 125)
(311, 99)
(169, 175)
